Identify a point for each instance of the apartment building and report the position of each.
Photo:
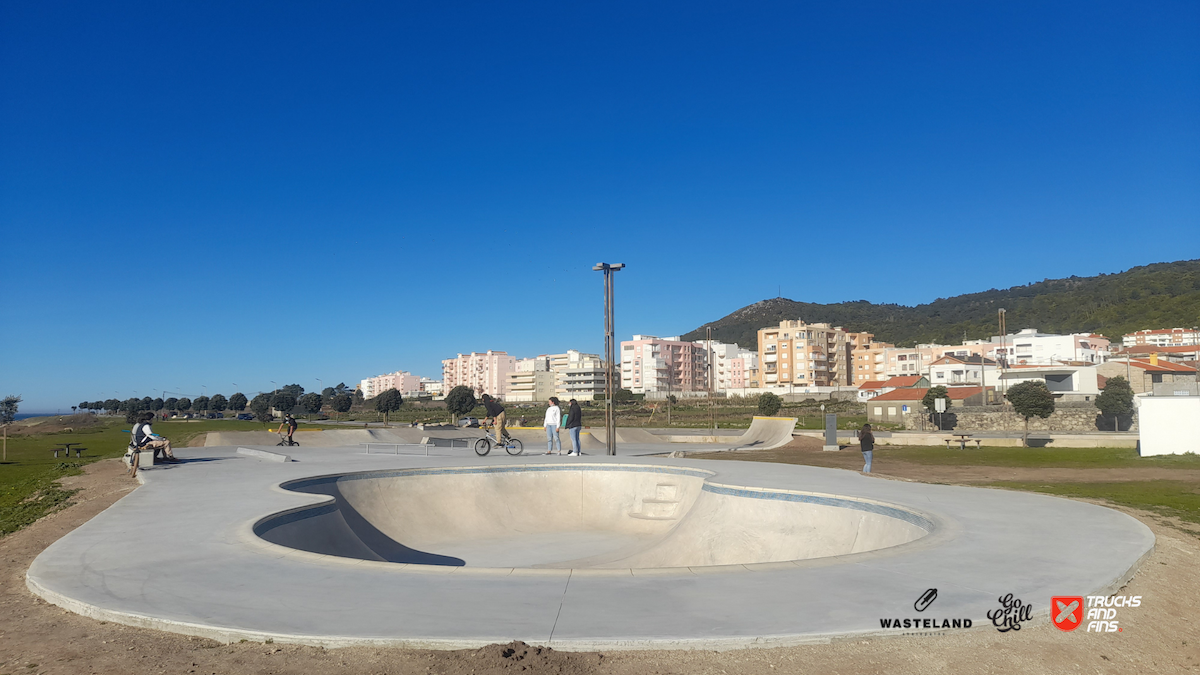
(431, 386)
(572, 374)
(799, 353)
(650, 363)
(730, 364)
(578, 376)
(1163, 337)
(868, 358)
(486, 372)
(957, 371)
(401, 380)
(1032, 347)
(531, 380)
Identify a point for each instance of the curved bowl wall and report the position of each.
(579, 516)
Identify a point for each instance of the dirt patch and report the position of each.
(35, 637)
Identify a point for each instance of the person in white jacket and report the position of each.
(553, 419)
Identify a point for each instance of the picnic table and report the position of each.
(66, 449)
(962, 439)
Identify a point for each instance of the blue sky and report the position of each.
(198, 194)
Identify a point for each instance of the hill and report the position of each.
(1162, 295)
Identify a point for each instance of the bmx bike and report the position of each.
(284, 440)
(484, 445)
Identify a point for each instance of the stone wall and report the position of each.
(1002, 418)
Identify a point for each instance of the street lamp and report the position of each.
(610, 385)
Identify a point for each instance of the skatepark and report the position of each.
(425, 544)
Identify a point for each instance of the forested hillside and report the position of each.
(1163, 295)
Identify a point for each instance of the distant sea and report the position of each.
(22, 416)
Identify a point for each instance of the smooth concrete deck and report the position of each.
(180, 554)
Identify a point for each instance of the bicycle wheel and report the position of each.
(483, 446)
(514, 447)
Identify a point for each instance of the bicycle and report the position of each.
(484, 445)
(284, 440)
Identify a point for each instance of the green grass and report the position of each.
(28, 487)
(1177, 499)
(1082, 458)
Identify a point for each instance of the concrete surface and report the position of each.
(578, 515)
(200, 569)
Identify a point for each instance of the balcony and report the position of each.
(770, 359)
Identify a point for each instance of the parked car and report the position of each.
(215, 416)
(468, 422)
(245, 416)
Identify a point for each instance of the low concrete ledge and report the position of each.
(264, 454)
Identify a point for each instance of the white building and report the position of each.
(431, 386)
(730, 364)
(1067, 382)
(401, 380)
(486, 372)
(1030, 347)
(1163, 337)
(578, 376)
(957, 371)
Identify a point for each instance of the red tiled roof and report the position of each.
(1162, 367)
(903, 381)
(872, 384)
(1148, 349)
(916, 394)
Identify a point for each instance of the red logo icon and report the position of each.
(1066, 612)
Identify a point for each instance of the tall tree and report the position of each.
(200, 404)
(171, 404)
(184, 404)
(238, 402)
(8, 408)
(328, 392)
(342, 403)
(293, 390)
(1031, 399)
(460, 401)
(261, 407)
(218, 402)
(1116, 400)
(283, 402)
(156, 404)
(112, 405)
(311, 402)
(388, 401)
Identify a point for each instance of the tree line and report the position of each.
(287, 399)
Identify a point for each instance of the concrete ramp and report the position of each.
(766, 433)
(634, 435)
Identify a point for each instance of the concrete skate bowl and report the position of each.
(578, 516)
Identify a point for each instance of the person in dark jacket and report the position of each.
(574, 425)
(866, 443)
(496, 412)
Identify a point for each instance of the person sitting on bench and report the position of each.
(145, 439)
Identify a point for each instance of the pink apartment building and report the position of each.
(486, 373)
(649, 363)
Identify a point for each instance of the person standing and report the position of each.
(574, 425)
(866, 443)
(551, 422)
(496, 412)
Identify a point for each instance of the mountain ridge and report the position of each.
(1159, 295)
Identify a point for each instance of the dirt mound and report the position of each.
(518, 657)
